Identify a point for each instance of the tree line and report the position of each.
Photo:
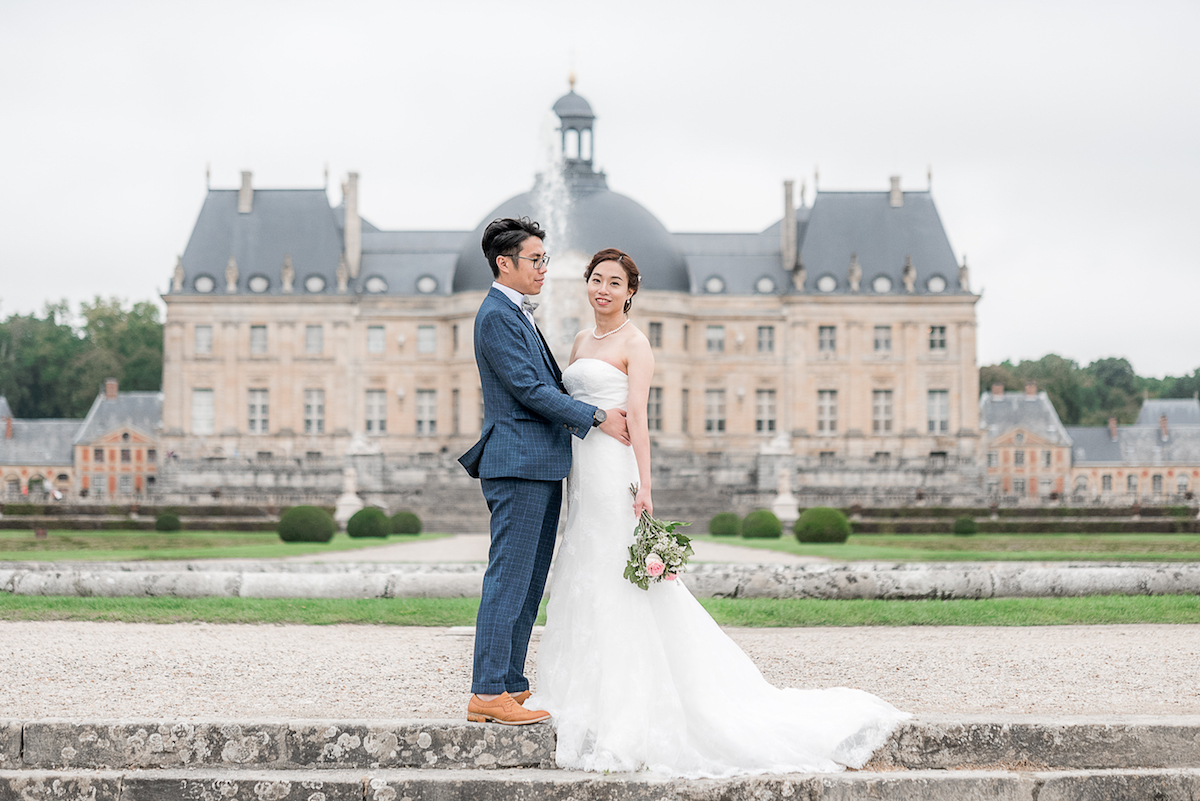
(1088, 396)
(54, 364)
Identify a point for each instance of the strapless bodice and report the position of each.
(597, 382)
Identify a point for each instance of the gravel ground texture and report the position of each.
(203, 671)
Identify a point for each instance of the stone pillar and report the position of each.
(245, 194)
(787, 229)
(353, 225)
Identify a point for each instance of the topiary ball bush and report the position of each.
(405, 522)
(167, 522)
(725, 524)
(822, 524)
(762, 524)
(369, 522)
(306, 524)
(965, 526)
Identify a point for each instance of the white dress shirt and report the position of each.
(517, 298)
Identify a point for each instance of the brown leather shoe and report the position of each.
(503, 709)
(522, 697)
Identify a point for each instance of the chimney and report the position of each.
(1030, 390)
(997, 391)
(110, 389)
(353, 229)
(1112, 428)
(895, 196)
(245, 194)
(1162, 427)
(787, 228)
(8, 428)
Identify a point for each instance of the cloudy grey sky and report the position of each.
(1062, 135)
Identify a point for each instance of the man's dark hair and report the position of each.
(504, 237)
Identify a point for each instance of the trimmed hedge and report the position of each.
(965, 526)
(405, 522)
(725, 524)
(821, 524)
(762, 524)
(306, 524)
(167, 522)
(369, 521)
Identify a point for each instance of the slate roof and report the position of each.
(1138, 445)
(39, 442)
(140, 410)
(1184, 412)
(282, 222)
(842, 224)
(1016, 410)
(1094, 445)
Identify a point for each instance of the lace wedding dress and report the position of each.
(640, 679)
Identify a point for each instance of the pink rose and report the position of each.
(669, 577)
(654, 565)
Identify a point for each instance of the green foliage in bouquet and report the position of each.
(657, 552)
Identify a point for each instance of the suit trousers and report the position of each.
(524, 527)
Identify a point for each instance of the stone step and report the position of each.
(547, 785)
(930, 743)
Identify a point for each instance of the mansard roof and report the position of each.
(38, 442)
(1012, 410)
(1182, 412)
(138, 410)
(1135, 445)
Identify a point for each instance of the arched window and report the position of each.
(1081, 484)
(1181, 483)
(585, 145)
(571, 144)
(12, 487)
(1131, 484)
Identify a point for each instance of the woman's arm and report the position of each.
(640, 362)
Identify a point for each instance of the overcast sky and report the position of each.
(1064, 137)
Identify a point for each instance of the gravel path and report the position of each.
(111, 670)
(474, 548)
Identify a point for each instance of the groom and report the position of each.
(522, 456)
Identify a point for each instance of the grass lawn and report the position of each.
(989, 547)
(729, 612)
(129, 546)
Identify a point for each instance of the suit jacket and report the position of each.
(528, 419)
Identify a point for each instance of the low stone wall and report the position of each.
(885, 581)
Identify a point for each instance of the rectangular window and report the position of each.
(883, 339)
(125, 485)
(939, 411)
(454, 336)
(937, 459)
(828, 458)
(686, 329)
(993, 488)
(1046, 457)
(1106, 483)
(98, 455)
(314, 340)
(203, 341)
(258, 340)
(375, 339)
(827, 411)
(1131, 484)
(455, 403)
(764, 410)
(427, 411)
(203, 411)
(258, 411)
(1045, 487)
(151, 455)
(714, 411)
(881, 411)
(766, 339)
(993, 459)
(1156, 484)
(264, 456)
(1019, 488)
(655, 335)
(126, 456)
(1018, 458)
(312, 456)
(827, 339)
(715, 339)
(654, 409)
(683, 411)
(882, 458)
(314, 411)
(937, 337)
(376, 411)
(427, 339)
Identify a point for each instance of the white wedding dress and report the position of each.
(639, 679)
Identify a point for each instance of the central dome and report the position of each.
(597, 218)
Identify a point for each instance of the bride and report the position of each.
(639, 679)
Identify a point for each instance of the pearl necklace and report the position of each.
(610, 333)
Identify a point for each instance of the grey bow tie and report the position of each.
(528, 305)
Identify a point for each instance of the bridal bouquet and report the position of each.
(657, 552)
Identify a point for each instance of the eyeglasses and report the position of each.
(543, 262)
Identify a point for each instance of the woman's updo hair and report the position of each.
(632, 276)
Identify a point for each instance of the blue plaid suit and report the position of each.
(523, 453)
